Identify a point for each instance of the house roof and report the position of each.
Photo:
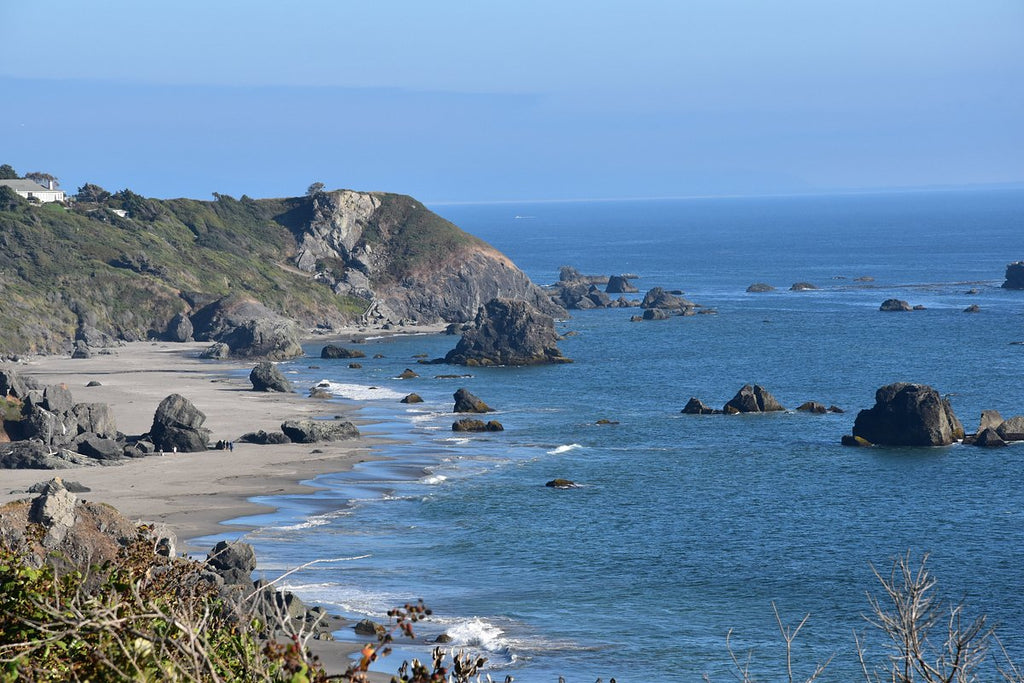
(24, 185)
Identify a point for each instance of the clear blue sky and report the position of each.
(491, 100)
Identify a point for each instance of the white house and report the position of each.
(30, 188)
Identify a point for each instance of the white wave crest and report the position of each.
(478, 633)
(434, 479)
(565, 449)
(358, 392)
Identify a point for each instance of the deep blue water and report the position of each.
(688, 526)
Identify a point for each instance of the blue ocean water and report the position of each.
(686, 527)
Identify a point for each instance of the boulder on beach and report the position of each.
(264, 438)
(179, 329)
(178, 425)
(908, 415)
(268, 377)
(250, 329)
(752, 399)
(895, 306)
(313, 431)
(508, 332)
(466, 402)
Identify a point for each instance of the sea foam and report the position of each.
(358, 392)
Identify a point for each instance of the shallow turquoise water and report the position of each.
(688, 526)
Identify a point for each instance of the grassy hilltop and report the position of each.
(125, 265)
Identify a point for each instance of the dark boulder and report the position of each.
(908, 415)
(697, 407)
(264, 438)
(465, 402)
(617, 284)
(334, 351)
(655, 314)
(81, 351)
(11, 384)
(268, 377)
(894, 305)
(658, 298)
(973, 308)
(752, 399)
(508, 332)
(988, 438)
(599, 298)
(1014, 276)
(313, 431)
(803, 287)
(408, 374)
(562, 484)
(234, 562)
(178, 425)
(99, 448)
(96, 418)
(412, 398)
(179, 329)
(812, 407)
(760, 287)
(468, 424)
(216, 351)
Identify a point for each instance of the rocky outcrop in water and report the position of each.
(466, 402)
(752, 399)
(697, 407)
(468, 424)
(908, 415)
(895, 306)
(659, 299)
(508, 332)
(335, 351)
(1014, 276)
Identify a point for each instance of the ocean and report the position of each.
(685, 529)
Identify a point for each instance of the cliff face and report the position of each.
(405, 260)
(85, 272)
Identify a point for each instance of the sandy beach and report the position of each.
(193, 493)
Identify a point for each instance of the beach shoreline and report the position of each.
(198, 494)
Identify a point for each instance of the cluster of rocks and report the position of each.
(304, 431)
(752, 398)
(44, 428)
(898, 306)
(466, 402)
(761, 287)
(575, 291)
(995, 432)
(662, 304)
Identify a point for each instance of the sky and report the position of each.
(493, 100)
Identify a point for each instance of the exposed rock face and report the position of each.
(1014, 276)
(55, 510)
(895, 305)
(268, 377)
(989, 418)
(508, 332)
(1012, 429)
(312, 431)
(988, 438)
(178, 425)
(752, 399)
(465, 402)
(250, 329)
(179, 329)
(413, 264)
(335, 351)
(908, 415)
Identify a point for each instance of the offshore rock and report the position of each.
(465, 402)
(178, 425)
(908, 415)
(335, 351)
(1012, 429)
(752, 399)
(895, 306)
(617, 284)
(812, 407)
(268, 377)
(760, 287)
(469, 424)
(988, 438)
(1014, 276)
(658, 298)
(508, 332)
(697, 407)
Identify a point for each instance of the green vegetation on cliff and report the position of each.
(124, 265)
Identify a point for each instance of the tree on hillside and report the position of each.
(92, 193)
(7, 172)
(314, 189)
(43, 178)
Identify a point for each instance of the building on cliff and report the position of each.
(30, 189)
